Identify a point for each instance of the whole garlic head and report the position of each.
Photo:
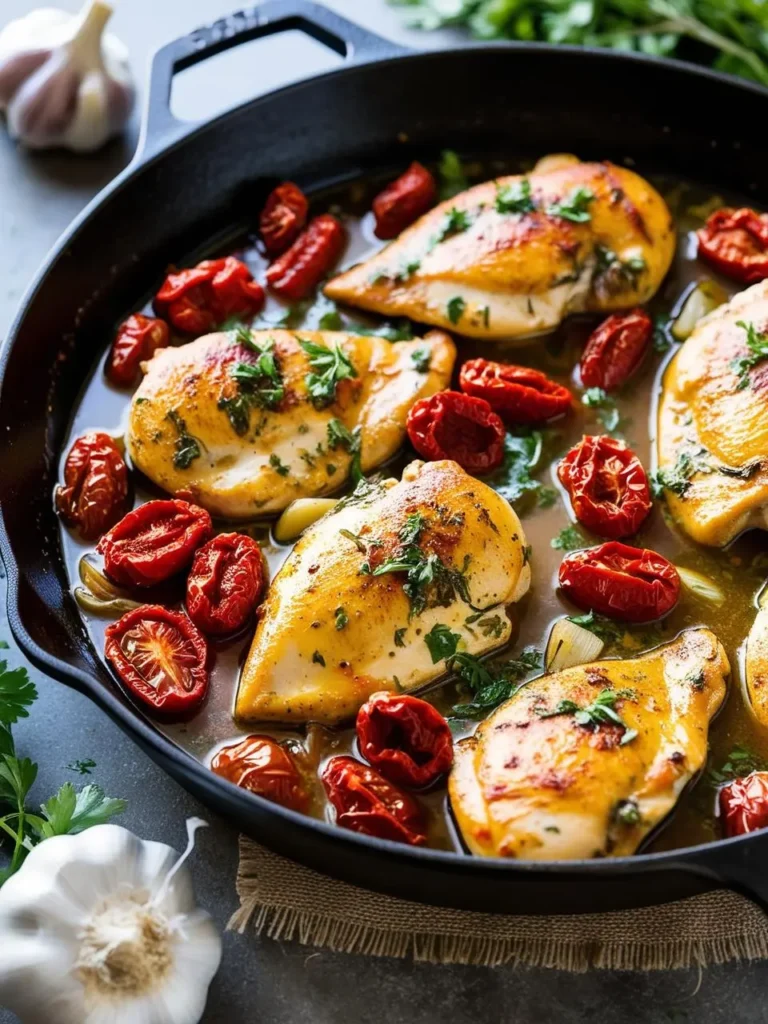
(63, 82)
(102, 928)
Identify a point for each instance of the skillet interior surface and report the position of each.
(485, 101)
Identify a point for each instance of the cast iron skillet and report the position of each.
(191, 183)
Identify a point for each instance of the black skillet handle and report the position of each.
(268, 18)
(740, 864)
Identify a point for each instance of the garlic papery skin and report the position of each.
(102, 928)
(63, 81)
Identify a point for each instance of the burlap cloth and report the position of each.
(287, 901)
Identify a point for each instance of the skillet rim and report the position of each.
(151, 150)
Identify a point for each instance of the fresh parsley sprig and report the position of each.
(330, 364)
(757, 346)
(574, 206)
(515, 198)
(600, 711)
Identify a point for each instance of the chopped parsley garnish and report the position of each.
(82, 767)
(455, 222)
(260, 384)
(614, 273)
(601, 711)
(278, 466)
(492, 626)
(405, 272)
(757, 343)
(442, 643)
(515, 198)
(318, 659)
(350, 440)
(619, 634)
(187, 447)
(455, 309)
(421, 358)
(574, 207)
(569, 539)
(399, 330)
(523, 448)
(678, 479)
(491, 685)
(399, 634)
(740, 761)
(331, 321)
(451, 172)
(329, 365)
(341, 618)
(608, 414)
(486, 311)
(628, 813)
(429, 582)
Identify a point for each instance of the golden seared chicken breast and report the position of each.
(247, 421)
(756, 664)
(713, 423)
(551, 774)
(358, 605)
(514, 256)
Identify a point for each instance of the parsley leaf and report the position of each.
(331, 321)
(614, 274)
(187, 447)
(421, 358)
(455, 309)
(455, 222)
(490, 685)
(82, 767)
(608, 414)
(70, 812)
(339, 436)
(452, 177)
(574, 207)
(17, 776)
(757, 345)
(515, 198)
(442, 643)
(569, 539)
(17, 692)
(330, 365)
(523, 449)
(678, 479)
(399, 634)
(279, 466)
(342, 618)
(260, 384)
(601, 711)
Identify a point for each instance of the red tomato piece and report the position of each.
(199, 299)
(153, 542)
(262, 766)
(365, 802)
(450, 425)
(403, 201)
(517, 393)
(744, 804)
(161, 657)
(625, 583)
(283, 217)
(736, 243)
(607, 485)
(407, 739)
(95, 490)
(225, 583)
(615, 349)
(137, 339)
(294, 274)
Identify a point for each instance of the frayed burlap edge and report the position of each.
(286, 901)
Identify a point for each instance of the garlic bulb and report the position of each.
(62, 81)
(102, 928)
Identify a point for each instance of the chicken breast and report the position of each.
(534, 783)
(248, 445)
(338, 624)
(756, 665)
(713, 425)
(499, 261)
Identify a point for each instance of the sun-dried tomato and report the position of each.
(283, 217)
(225, 583)
(161, 657)
(199, 299)
(736, 243)
(365, 802)
(260, 765)
(518, 394)
(95, 490)
(154, 542)
(403, 201)
(744, 804)
(294, 274)
(616, 349)
(625, 583)
(405, 738)
(607, 485)
(137, 339)
(450, 425)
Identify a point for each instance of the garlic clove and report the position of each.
(63, 81)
